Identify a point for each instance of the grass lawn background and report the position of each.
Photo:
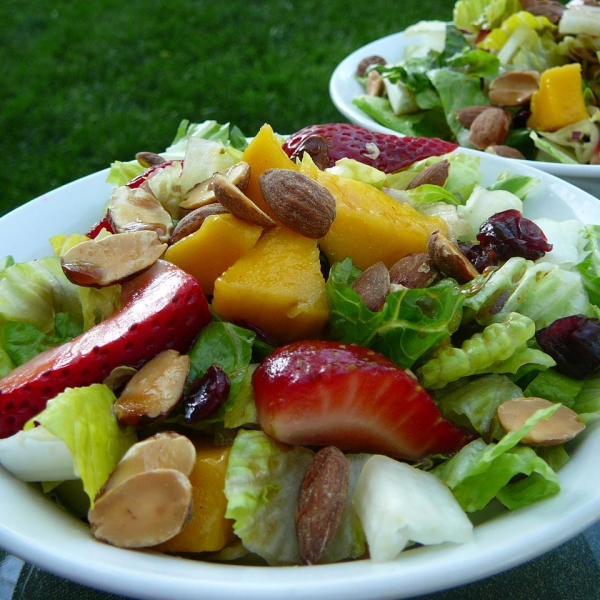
(85, 83)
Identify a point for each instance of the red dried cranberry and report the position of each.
(480, 256)
(574, 343)
(104, 223)
(513, 235)
(206, 395)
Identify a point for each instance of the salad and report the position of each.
(298, 394)
(517, 78)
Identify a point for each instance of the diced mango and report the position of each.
(369, 225)
(559, 101)
(264, 152)
(212, 249)
(277, 286)
(208, 530)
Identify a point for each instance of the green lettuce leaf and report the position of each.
(83, 419)
(411, 322)
(262, 484)
(485, 352)
(478, 473)
(475, 15)
(541, 291)
(589, 268)
(473, 403)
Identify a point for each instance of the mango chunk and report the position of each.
(369, 225)
(559, 101)
(264, 152)
(212, 249)
(277, 286)
(208, 530)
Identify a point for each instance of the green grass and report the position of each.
(85, 83)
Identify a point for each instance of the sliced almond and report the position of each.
(321, 503)
(449, 259)
(238, 204)
(414, 271)
(375, 85)
(366, 63)
(317, 148)
(137, 209)
(435, 174)
(144, 510)
(203, 194)
(164, 450)
(514, 88)
(153, 392)
(560, 427)
(113, 259)
(373, 286)
(193, 221)
(299, 202)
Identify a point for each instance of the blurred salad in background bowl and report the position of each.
(518, 78)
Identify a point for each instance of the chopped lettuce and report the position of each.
(262, 484)
(411, 322)
(573, 144)
(479, 472)
(541, 291)
(398, 504)
(499, 348)
(477, 15)
(83, 419)
(589, 267)
(473, 403)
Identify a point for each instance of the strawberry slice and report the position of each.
(318, 393)
(387, 152)
(163, 308)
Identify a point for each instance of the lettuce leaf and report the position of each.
(83, 419)
(411, 322)
(589, 267)
(475, 15)
(499, 348)
(480, 472)
(541, 291)
(398, 504)
(262, 484)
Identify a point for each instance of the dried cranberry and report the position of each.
(574, 343)
(104, 223)
(513, 235)
(480, 256)
(206, 395)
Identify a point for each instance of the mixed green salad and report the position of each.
(472, 346)
(510, 55)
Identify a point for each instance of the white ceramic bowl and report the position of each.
(343, 88)
(34, 528)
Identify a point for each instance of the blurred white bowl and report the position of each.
(343, 88)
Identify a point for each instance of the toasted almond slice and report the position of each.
(137, 209)
(113, 259)
(153, 392)
(193, 221)
(449, 259)
(373, 286)
(237, 203)
(164, 450)
(144, 510)
(558, 428)
(201, 194)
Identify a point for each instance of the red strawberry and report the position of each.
(163, 308)
(318, 393)
(386, 152)
(103, 223)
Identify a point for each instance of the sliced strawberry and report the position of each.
(318, 393)
(163, 308)
(386, 152)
